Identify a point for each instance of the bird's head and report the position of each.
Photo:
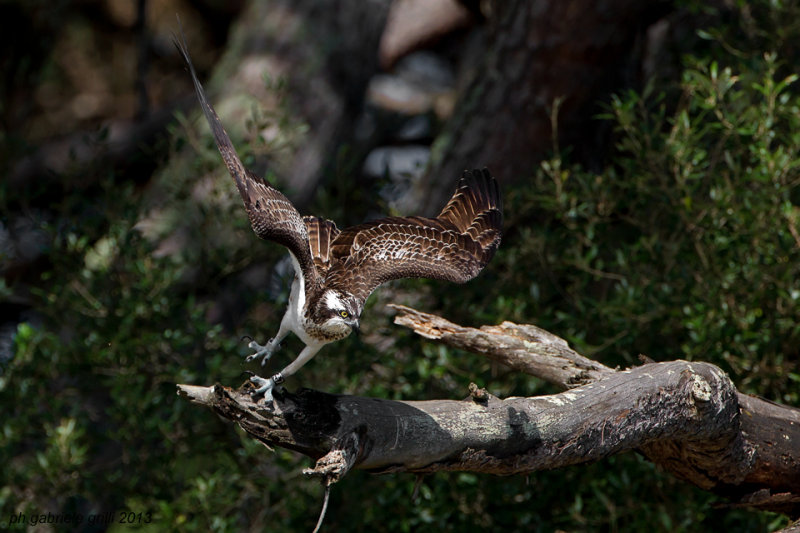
(338, 312)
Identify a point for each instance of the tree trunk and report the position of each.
(686, 417)
(324, 52)
(536, 52)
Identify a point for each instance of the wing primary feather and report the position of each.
(224, 144)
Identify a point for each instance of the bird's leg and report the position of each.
(265, 351)
(266, 386)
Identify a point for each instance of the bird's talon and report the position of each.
(265, 387)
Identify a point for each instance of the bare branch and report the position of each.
(678, 401)
(525, 348)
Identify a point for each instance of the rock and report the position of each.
(403, 165)
(420, 83)
(398, 162)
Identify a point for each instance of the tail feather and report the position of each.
(321, 234)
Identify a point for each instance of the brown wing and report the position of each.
(454, 246)
(272, 215)
(477, 193)
(321, 233)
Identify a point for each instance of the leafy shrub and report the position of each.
(688, 246)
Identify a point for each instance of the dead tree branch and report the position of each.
(523, 347)
(686, 417)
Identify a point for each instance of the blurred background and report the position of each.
(648, 155)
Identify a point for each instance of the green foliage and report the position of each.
(96, 419)
(688, 246)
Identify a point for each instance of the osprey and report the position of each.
(336, 270)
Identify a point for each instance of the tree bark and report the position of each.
(686, 417)
(536, 52)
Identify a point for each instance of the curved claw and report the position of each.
(265, 351)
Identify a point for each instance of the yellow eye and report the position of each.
(344, 314)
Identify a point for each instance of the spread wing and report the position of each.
(272, 215)
(454, 246)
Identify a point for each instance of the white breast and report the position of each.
(293, 319)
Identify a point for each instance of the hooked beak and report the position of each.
(356, 327)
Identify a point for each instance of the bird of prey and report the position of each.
(336, 270)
